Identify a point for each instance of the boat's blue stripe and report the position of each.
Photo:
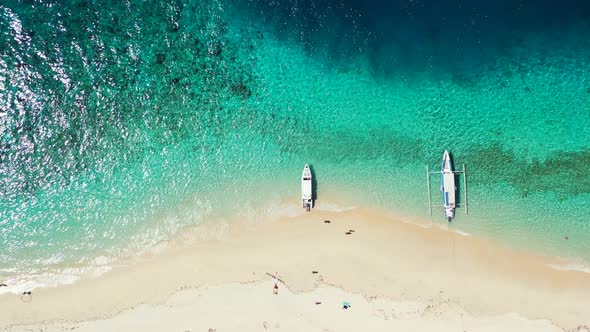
(442, 180)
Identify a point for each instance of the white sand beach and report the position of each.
(395, 275)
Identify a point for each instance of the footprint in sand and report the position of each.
(266, 325)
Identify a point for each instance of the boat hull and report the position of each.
(306, 188)
(448, 186)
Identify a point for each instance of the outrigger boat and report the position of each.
(448, 187)
(306, 188)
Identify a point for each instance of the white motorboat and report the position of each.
(306, 188)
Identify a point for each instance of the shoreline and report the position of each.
(280, 208)
(384, 258)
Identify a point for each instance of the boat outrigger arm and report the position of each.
(448, 188)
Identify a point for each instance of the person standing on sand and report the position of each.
(275, 289)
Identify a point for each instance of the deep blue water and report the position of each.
(406, 36)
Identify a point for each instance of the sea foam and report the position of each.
(571, 267)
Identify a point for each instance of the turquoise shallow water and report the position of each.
(122, 122)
